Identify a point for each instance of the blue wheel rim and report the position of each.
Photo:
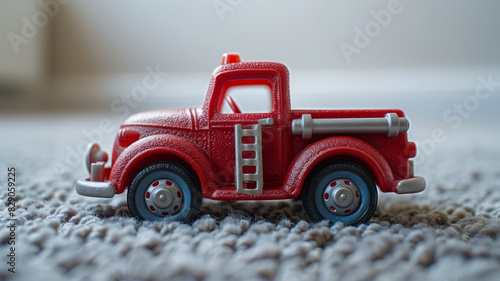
(143, 209)
(363, 190)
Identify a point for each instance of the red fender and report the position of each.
(156, 147)
(323, 149)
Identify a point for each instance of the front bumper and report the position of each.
(103, 189)
(411, 185)
(96, 185)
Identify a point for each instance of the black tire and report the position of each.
(331, 191)
(160, 184)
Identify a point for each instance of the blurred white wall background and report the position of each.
(91, 52)
(23, 71)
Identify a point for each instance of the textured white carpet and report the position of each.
(449, 232)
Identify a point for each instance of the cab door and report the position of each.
(244, 107)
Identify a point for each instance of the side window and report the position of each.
(247, 99)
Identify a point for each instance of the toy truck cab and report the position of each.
(333, 159)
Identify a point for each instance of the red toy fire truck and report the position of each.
(334, 160)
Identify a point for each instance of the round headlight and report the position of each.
(127, 137)
(94, 154)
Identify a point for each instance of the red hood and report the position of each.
(165, 118)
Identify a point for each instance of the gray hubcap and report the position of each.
(341, 197)
(164, 197)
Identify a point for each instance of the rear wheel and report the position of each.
(164, 191)
(340, 192)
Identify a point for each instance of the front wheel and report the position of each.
(340, 192)
(164, 191)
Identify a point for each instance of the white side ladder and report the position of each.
(254, 148)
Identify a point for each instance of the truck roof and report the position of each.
(232, 62)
